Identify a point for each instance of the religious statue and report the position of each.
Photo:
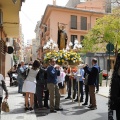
(62, 37)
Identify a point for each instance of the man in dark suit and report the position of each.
(92, 77)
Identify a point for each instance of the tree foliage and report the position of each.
(106, 30)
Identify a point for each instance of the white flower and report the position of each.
(54, 45)
(79, 46)
(44, 47)
(70, 44)
(76, 41)
(51, 41)
(67, 48)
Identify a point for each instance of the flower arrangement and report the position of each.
(62, 56)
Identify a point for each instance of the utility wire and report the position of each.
(28, 17)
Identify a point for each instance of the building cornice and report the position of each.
(49, 8)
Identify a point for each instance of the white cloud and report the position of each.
(31, 12)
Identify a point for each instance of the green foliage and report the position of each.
(15, 58)
(106, 29)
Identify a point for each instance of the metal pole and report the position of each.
(1, 49)
(72, 87)
(108, 64)
(78, 93)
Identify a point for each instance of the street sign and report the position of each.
(110, 47)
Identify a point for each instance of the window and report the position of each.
(83, 23)
(73, 22)
(42, 34)
(45, 29)
(73, 37)
(81, 38)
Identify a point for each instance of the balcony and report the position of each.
(47, 33)
(10, 13)
(77, 27)
(16, 45)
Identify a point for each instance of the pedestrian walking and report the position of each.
(40, 87)
(2, 87)
(29, 86)
(19, 79)
(10, 72)
(86, 88)
(21, 71)
(68, 82)
(61, 81)
(81, 79)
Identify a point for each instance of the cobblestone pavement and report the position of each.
(71, 109)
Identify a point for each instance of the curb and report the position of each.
(102, 95)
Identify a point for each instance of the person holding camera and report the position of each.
(52, 73)
(92, 77)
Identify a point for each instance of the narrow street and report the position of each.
(48, 42)
(71, 109)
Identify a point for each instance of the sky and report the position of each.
(31, 12)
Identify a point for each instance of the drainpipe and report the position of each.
(1, 28)
(91, 20)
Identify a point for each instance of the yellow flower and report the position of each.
(58, 60)
(62, 60)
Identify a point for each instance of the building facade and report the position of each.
(34, 49)
(28, 54)
(9, 27)
(77, 23)
(38, 32)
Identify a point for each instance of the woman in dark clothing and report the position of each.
(46, 92)
(40, 88)
(10, 72)
(114, 97)
(86, 88)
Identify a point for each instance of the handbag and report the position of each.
(5, 106)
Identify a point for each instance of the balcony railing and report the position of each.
(79, 26)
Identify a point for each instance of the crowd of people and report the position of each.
(40, 82)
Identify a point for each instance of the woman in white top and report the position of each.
(29, 85)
